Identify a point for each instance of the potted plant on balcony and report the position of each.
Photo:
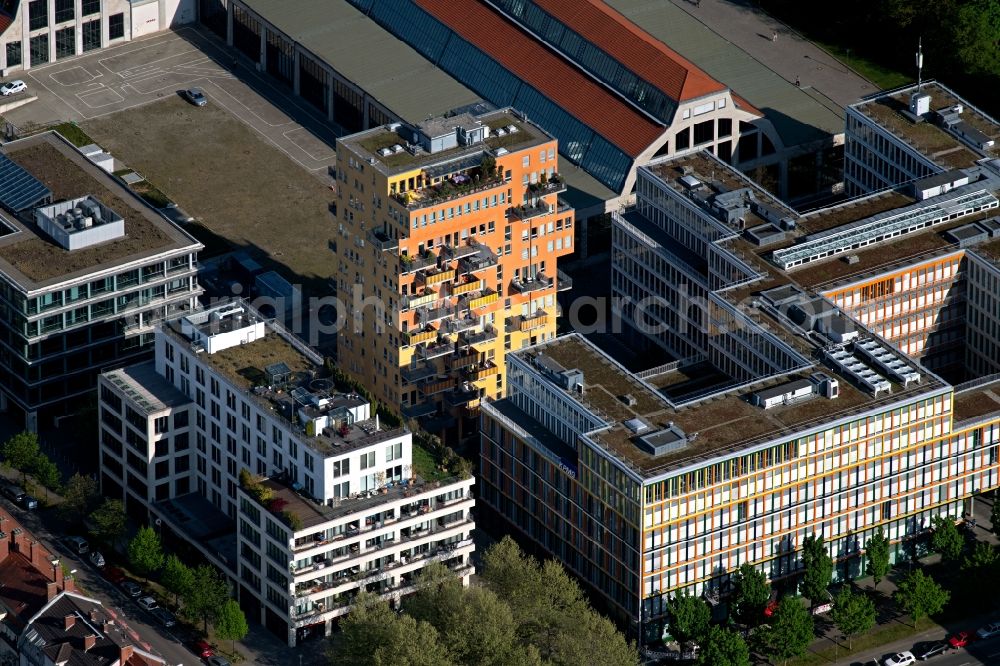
(380, 482)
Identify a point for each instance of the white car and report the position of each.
(149, 603)
(989, 630)
(901, 659)
(12, 87)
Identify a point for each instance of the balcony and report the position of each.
(458, 325)
(458, 186)
(466, 287)
(482, 260)
(408, 264)
(462, 360)
(534, 284)
(417, 374)
(437, 386)
(486, 335)
(456, 252)
(482, 371)
(553, 185)
(564, 282)
(463, 395)
(408, 302)
(380, 239)
(529, 211)
(426, 335)
(433, 276)
(525, 324)
(482, 301)
(442, 347)
(427, 315)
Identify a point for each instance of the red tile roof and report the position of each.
(633, 47)
(23, 588)
(536, 64)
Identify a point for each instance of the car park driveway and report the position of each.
(157, 67)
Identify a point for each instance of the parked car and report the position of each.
(989, 630)
(132, 589)
(17, 495)
(931, 650)
(195, 96)
(203, 649)
(217, 661)
(165, 617)
(147, 602)
(114, 574)
(12, 87)
(77, 544)
(960, 639)
(901, 659)
(97, 559)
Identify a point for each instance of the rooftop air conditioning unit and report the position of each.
(512, 129)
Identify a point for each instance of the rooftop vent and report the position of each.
(397, 148)
(637, 425)
(920, 103)
(512, 129)
(690, 182)
(666, 440)
(628, 399)
(500, 131)
(384, 152)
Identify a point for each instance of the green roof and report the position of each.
(797, 116)
(386, 68)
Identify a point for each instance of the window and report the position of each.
(39, 50)
(64, 10)
(116, 26)
(341, 467)
(367, 460)
(13, 54)
(38, 14)
(91, 35)
(88, 7)
(394, 452)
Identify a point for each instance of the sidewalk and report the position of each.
(791, 55)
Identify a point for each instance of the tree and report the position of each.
(231, 624)
(790, 631)
(46, 473)
(109, 522)
(877, 556)
(373, 635)
(818, 569)
(919, 595)
(722, 647)
(688, 617)
(995, 515)
(79, 497)
(209, 591)
(946, 539)
(20, 452)
(750, 594)
(145, 553)
(177, 577)
(853, 614)
(983, 557)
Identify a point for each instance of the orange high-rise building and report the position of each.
(453, 228)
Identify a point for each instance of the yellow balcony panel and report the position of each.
(423, 336)
(430, 388)
(468, 287)
(525, 324)
(483, 300)
(439, 277)
(483, 371)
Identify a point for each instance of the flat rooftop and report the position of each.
(148, 388)
(724, 423)
(34, 261)
(370, 142)
(977, 403)
(936, 144)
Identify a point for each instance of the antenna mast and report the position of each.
(920, 61)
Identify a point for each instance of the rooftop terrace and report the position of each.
(724, 423)
(148, 388)
(927, 138)
(368, 143)
(33, 260)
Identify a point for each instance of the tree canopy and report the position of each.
(750, 594)
(526, 613)
(21, 452)
(853, 614)
(231, 623)
(109, 521)
(79, 497)
(790, 631)
(176, 576)
(918, 595)
(722, 647)
(818, 569)
(947, 539)
(208, 592)
(688, 617)
(145, 553)
(877, 556)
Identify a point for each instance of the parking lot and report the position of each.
(152, 69)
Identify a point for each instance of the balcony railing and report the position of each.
(416, 337)
(408, 264)
(482, 301)
(442, 347)
(434, 276)
(381, 240)
(462, 360)
(466, 287)
(524, 324)
(459, 251)
(488, 334)
(439, 386)
(553, 185)
(482, 260)
(564, 282)
(428, 315)
(461, 396)
(459, 325)
(418, 374)
(408, 302)
(528, 212)
(534, 284)
(482, 371)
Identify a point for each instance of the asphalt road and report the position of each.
(155, 637)
(985, 652)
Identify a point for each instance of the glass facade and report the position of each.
(116, 26)
(39, 50)
(91, 35)
(65, 42)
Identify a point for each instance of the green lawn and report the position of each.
(426, 465)
(880, 635)
(883, 77)
(72, 133)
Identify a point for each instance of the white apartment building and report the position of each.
(228, 392)
(37, 32)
